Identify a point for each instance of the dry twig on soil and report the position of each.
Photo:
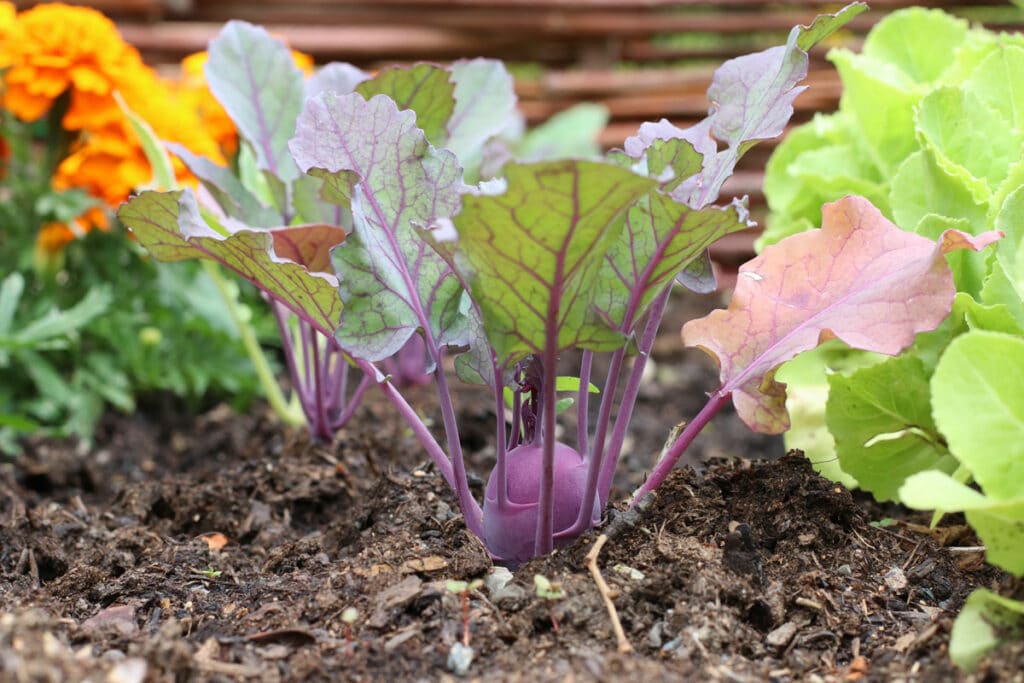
(606, 594)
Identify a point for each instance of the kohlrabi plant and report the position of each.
(267, 220)
(501, 278)
(931, 127)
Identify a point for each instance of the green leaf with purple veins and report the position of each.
(662, 237)
(383, 309)
(287, 263)
(532, 255)
(860, 279)
(255, 79)
(423, 88)
(374, 156)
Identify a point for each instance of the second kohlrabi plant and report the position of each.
(506, 276)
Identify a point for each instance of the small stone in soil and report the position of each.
(895, 579)
(780, 637)
(460, 657)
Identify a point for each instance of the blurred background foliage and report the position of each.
(87, 319)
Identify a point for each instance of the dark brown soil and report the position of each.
(747, 570)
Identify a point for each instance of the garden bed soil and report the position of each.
(227, 548)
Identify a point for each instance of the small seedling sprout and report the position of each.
(549, 591)
(350, 615)
(463, 589)
(211, 573)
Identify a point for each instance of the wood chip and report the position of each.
(398, 595)
(904, 642)
(206, 658)
(424, 564)
(858, 668)
(374, 570)
(284, 636)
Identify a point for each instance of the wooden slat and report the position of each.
(181, 38)
(546, 23)
(149, 10)
(577, 46)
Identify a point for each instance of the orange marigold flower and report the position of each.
(8, 14)
(193, 90)
(304, 62)
(53, 237)
(110, 163)
(53, 48)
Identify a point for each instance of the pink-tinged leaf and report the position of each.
(860, 279)
(751, 99)
(393, 284)
(291, 264)
(308, 245)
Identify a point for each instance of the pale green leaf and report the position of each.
(986, 621)
(979, 407)
(880, 418)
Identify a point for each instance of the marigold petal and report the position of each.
(25, 105)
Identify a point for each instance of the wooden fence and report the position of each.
(642, 59)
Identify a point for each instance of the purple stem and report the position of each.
(631, 392)
(281, 314)
(353, 402)
(716, 402)
(470, 507)
(544, 540)
(501, 459)
(517, 419)
(337, 389)
(321, 425)
(583, 404)
(603, 460)
(595, 458)
(413, 421)
(308, 360)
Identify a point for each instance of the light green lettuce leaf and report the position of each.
(920, 187)
(997, 289)
(881, 99)
(881, 420)
(920, 43)
(998, 523)
(979, 407)
(1010, 250)
(986, 621)
(998, 81)
(970, 141)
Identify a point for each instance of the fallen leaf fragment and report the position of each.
(858, 668)
(394, 597)
(215, 540)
